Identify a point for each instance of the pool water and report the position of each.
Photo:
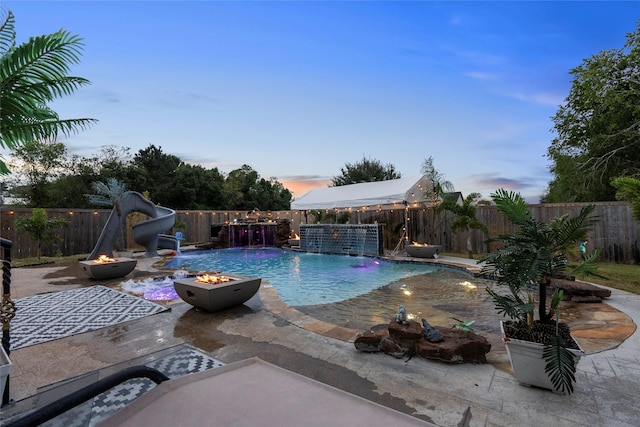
(155, 289)
(439, 298)
(303, 278)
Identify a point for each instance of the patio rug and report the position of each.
(47, 317)
(186, 361)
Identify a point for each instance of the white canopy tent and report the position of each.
(370, 195)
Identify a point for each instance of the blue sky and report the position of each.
(297, 89)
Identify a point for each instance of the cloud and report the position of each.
(481, 75)
(540, 98)
(492, 180)
(530, 188)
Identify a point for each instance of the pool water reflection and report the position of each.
(438, 298)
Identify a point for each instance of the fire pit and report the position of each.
(216, 292)
(294, 241)
(422, 250)
(105, 267)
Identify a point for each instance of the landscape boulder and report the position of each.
(456, 347)
(406, 340)
(578, 291)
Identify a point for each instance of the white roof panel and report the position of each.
(371, 194)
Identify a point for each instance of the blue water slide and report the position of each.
(147, 233)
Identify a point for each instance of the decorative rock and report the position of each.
(431, 334)
(393, 348)
(405, 332)
(455, 348)
(369, 341)
(400, 340)
(576, 288)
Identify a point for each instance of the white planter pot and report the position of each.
(527, 361)
(5, 369)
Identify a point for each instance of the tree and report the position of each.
(32, 75)
(197, 188)
(245, 190)
(436, 193)
(530, 258)
(366, 170)
(109, 194)
(629, 189)
(597, 127)
(237, 188)
(154, 171)
(40, 228)
(465, 217)
(271, 195)
(37, 165)
(535, 253)
(113, 161)
(439, 185)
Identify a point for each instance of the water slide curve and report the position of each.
(147, 233)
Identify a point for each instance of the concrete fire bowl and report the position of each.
(422, 251)
(119, 267)
(220, 296)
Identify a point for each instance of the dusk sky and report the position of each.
(297, 89)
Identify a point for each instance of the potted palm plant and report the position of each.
(523, 266)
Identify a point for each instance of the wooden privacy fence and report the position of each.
(616, 232)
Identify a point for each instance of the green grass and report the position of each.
(34, 262)
(619, 276)
(625, 277)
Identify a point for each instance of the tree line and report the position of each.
(598, 128)
(46, 176)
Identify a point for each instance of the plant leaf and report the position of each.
(560, 365)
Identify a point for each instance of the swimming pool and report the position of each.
(303, 278)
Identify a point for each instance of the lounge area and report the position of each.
(279, 335)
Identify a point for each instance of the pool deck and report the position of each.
(607, 389)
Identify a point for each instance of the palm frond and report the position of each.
(33, 74)
(7, 33)
(45, 57)
(512, 206)
(97, 200)
(109, 191)
(511, 306)
(560, 365)
(574, 229)
(588, 267)
(629, 189)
